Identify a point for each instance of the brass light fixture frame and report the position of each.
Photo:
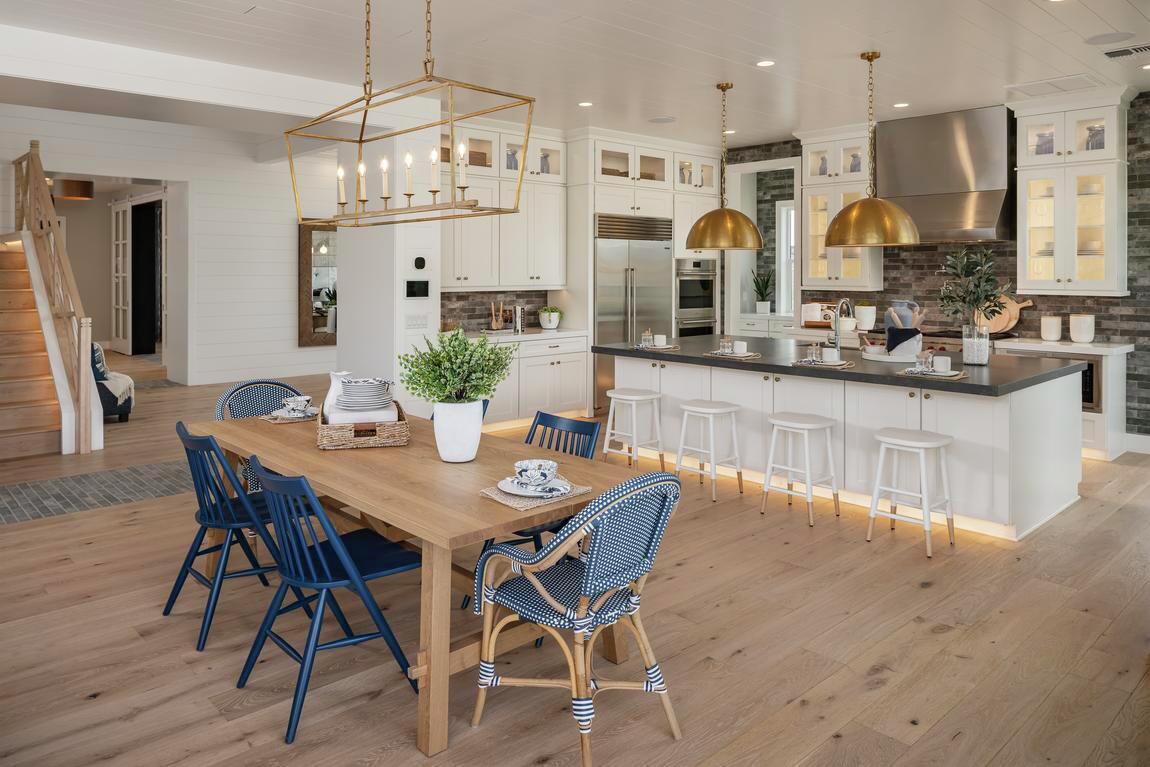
(724, 228)
(455, 205)
(871, 221)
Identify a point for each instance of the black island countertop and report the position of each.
(1004, 374)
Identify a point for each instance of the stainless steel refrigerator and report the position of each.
(634, 287)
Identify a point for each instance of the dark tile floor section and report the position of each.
(52, 497)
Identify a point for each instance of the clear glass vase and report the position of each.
(975, 345)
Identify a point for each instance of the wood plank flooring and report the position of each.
(781, 644)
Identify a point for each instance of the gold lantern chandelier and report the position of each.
(724, 228)
(871, 220)
(375, 208)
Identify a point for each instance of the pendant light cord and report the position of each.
(723, 88)
(367, 48)
(870, 187)
(428, 59)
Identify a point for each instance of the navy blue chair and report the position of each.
(313, 555)
(222, 504)
(564, 435)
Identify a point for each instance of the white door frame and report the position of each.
(121, 330)
(127, 203)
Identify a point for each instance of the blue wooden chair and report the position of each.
(313, 555)
(588, 577)
(251, 399)
(222, 505)
(565, 435)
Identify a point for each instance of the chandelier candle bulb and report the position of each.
(342, 189)
(410, 189)
(434, 170)
(361, 183)
(462, 154)
(386, 188)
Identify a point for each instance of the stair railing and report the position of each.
(36, 213)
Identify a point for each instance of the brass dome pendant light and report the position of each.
(871, 221)
(724, 228)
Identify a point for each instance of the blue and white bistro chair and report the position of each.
(251, 399)
(612, 542)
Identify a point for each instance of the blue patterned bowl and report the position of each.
(535, 472)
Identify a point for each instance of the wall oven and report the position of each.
(696, 297)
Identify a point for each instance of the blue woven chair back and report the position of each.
(253, 398)
(221, 497)
(565, 435)
(300, 525)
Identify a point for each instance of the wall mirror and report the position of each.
(317, 285)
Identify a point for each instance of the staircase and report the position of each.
(29, 410)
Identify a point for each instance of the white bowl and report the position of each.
(536, 472)
(847, 324)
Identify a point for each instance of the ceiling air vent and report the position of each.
(1130, 50)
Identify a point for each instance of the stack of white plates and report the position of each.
(364, 394)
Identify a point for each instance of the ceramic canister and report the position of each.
(1082, 328)
(1051, 327)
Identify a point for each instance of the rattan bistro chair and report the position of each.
(250, 399)
(588, 577)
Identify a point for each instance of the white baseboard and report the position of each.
(1138, 443)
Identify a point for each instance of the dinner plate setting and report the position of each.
(364, 394)
(554, 488)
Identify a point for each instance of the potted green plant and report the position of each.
(549, 317)
(764, 285)
(456, 374)
(972, 292)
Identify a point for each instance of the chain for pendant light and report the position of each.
(723, 88)
(367, 47)
(428, 59)
(870, 57)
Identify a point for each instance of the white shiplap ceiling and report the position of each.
(638, 59)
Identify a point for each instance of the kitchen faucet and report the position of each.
(838, 313)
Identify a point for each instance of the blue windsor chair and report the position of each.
(313, 555)
(588, 577)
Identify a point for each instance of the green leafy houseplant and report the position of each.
(764, 284)
(971, 288)
(330, 295)
(552, 310)
(456, 369)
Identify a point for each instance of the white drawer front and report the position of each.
(760, 325)
(556, 346)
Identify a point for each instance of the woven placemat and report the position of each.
(739, 358)
(958, 377)
(823, 365)
(522, 503)
(673, 348)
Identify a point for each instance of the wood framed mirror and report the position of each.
(317, 285)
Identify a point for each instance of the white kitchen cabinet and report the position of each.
(1078, 135)
(630, 165)
(869, 408)
(979, 459)
(754, 394)
(802, 394)
(482, 147)
(624, 201)
(846, 269)
(832, 162)
(552, 383)
(677, 382)
(533, 242)
(689, 208)
(696, 174)
(546, 159)
(504, 404)
(471, 245)
(1072, 229)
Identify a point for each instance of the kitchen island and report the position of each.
(1016, 423)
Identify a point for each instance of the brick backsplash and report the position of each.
(472, 311)
(914, 272)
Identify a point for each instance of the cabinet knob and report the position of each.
(662, 365)
(550, 363)
(926, 396)
(638, 208)
(1069, 151)
(1059, 279)
(654, 364)
(1069, 279)
(910, 394)
(766, 378)
(465, 278)
(1058, 153)
(558, 362)
(777, 379)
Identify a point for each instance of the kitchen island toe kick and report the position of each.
(1016, 423)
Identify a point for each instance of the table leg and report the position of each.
(434, 648)
(614, 645)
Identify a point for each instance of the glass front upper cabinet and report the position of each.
(852, 161)
(481, 145)
(545, 159)
(816, 267)
(1038, 235)
(1080, 135)
(614, 163)
(696, 174)
(1094, 208)
(836, 162)
(852, 261)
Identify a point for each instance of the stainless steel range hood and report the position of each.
(952, 173)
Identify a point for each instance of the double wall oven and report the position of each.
(696, 297)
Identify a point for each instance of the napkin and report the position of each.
(337, 414)
(334, 391)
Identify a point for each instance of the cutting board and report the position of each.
(1008, 317)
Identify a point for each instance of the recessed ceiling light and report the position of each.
(1146, 66)
(764, 63)
(728, 131)
(585, 104)
(901, 105)
(662, 120)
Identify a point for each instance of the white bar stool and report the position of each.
(630, 439)
(706, 410)
(917, 443)
(792, 425)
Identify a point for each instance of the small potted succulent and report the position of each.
(456, 374)
(764, 285)
(549, 317)
(972, 292)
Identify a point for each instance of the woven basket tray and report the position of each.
(347, 435)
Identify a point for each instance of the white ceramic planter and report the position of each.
(866, 316)
(458, 426)
(549, 320)
(762, 307)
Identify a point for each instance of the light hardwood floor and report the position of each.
(781, 644)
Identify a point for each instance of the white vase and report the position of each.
(1082, 328)
(549, 320)
(458, 426)
(762, 307)
(866, 316)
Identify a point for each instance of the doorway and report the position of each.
(139, 275)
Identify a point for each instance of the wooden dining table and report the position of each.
(409, 495)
